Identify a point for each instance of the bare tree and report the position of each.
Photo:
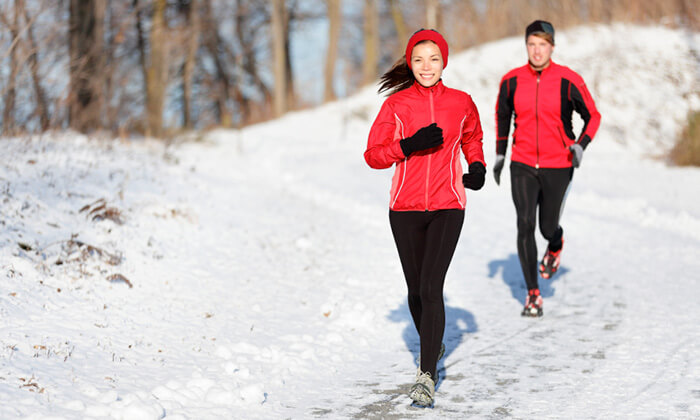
(249, 30)
(334, 21)
(432, 14)
(91, 64)
(86, 30)
(399, 24)
(279, 57)
(225, 87)
(157, 71)
(193, 29)
(140, 38)
(371, 33)
(8, 114)
(289, 17)
(42, 109)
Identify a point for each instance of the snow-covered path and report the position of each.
(266, 283)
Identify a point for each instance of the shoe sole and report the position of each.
(531, 314)
(421, 395)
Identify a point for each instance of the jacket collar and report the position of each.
(436, 89)
(545, 71)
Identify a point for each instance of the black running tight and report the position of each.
(426, 242)
(546, 188)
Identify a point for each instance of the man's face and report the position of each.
(539, 52)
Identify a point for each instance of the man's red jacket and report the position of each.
(543, 103)
(430, 179)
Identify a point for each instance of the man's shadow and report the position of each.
(458, 323)
(512, 275)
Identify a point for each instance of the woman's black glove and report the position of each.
(425, 138)
(474, 180)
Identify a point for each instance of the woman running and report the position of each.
(420, 130)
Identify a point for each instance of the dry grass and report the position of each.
(119, 278)
(99, 210)
(686, 152)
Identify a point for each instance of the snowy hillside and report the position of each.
(253, 274)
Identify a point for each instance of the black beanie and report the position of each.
(540, 26)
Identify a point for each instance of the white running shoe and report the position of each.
(423, 391)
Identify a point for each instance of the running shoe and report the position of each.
(423, 391)
(533, 304)
(550, 263)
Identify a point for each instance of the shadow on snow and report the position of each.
(513, 277)
(458, 323)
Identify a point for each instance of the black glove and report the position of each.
(576, 154)
(498, 167)
(474, 180)
(425, 138)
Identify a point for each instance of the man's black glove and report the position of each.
(474, 180)
(425, 138)
(576, 154)
(498, 167)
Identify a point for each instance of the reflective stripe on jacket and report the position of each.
(429, 179)
(543, 103)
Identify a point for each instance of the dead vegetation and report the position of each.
(119, 278)
(31, 385)
(99, 210)
(75, 251)
(76, 257)
(686, 152)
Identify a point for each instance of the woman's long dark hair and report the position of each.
(399, 77)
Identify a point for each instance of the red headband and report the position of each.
(427, 35)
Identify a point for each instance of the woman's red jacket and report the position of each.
(430, 179)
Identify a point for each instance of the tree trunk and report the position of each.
(86, 64)
(334, 20)
(8, 113)
(42, 108)
(291, 97)
(157, 71)
(279, 59)
(246, 37)
(432, 11)
(188, 66)
(371, 29)
(114, 36)
(224, 86)
(400, 25)
(140, 40)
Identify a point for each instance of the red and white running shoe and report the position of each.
(533, 304)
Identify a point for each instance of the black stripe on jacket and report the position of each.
(572, 100)
(504, 112)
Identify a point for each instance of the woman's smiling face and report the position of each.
(426, 63)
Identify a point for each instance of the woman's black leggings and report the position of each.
(546, 188)
(426, 242)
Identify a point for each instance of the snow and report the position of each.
(265, 282)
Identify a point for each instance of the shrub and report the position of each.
(686, 152)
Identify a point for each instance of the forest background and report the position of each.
(163, 67)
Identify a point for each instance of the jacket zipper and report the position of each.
(427, 174)
(537, 121)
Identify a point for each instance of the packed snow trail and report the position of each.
(266, 283)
